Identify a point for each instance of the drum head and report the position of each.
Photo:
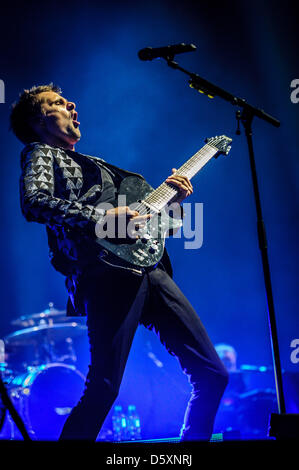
(54, 391)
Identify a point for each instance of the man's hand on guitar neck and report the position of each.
(182, 183)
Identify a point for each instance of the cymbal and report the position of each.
(37, 334)
(34, 318)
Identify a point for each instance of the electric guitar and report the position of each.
(147, 250)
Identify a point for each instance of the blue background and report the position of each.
(142, 116)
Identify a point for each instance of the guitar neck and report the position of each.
(161, 196)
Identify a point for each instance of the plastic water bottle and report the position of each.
(133, 424)
(119, 423)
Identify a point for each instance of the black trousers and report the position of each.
(116, 302)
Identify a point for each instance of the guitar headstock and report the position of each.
(221, 143)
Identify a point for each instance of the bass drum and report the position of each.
(45, 396)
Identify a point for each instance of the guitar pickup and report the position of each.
(139, 255)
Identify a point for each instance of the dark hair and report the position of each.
(25, 110)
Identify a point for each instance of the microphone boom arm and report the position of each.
(210, 89)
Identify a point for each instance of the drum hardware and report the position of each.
(40, 344)
(42, 383)
(4, 373)
(13, 413)
(51, 314)
(43, 397)
(70, 355)
(45, 336)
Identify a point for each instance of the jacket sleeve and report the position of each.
(38, 203)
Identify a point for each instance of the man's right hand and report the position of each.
(125, 211)
(124, 214)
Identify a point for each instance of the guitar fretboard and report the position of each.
(165, 192)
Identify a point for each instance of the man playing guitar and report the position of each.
(64, 189)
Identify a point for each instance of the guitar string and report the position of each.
(165, 189)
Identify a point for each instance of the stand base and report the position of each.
(284, 426)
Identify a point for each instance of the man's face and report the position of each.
(229, 359)
(58, 124)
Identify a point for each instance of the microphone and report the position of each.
(150, 53)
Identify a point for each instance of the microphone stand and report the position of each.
(246, 117)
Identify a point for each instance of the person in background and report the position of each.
(227, 417)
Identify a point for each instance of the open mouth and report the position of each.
(75, 119)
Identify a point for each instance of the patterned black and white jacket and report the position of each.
(61, 189)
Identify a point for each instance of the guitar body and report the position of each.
(147, 250)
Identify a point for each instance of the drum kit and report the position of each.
(40, 373)
(42, 377)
